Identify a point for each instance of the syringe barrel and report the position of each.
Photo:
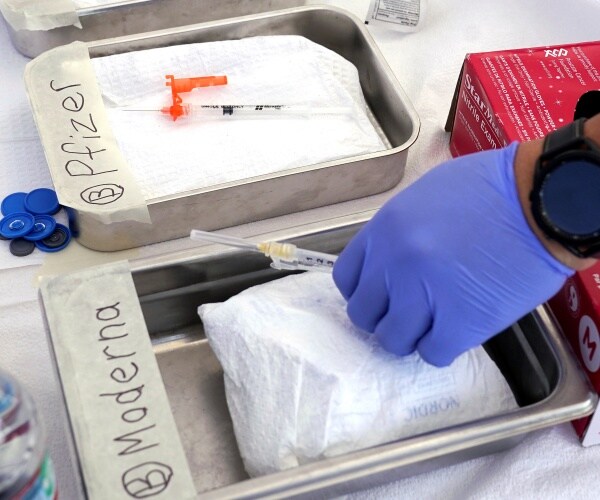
(315, 260)
(228, 112)
(289, 256)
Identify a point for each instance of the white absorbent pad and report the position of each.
(173, 157)
(303, 383)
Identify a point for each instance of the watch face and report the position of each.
(570, 197)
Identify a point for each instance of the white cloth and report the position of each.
(303, 383)
(169, 157)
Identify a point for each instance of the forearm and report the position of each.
(525, 160)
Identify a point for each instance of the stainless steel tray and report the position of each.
(283, 192)
(138, 16)
(537, 363)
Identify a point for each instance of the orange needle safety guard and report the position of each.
(183, 85)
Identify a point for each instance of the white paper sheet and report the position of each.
(303, 383)
(173, 157)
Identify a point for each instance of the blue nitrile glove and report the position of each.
(448, 262)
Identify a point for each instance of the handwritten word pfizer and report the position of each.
(84, 144)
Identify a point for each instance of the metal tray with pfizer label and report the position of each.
(285, 192)
(165, 293)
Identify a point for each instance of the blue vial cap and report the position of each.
(16, 225)
(43, 227)
(58, 240)
(14, 202)
(42, 201)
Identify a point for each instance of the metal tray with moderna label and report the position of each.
(532, 355)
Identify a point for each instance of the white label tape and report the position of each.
(126, 437)
(37, 15)
(89, 172)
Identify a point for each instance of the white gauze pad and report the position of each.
(170, 157)
(303, 383)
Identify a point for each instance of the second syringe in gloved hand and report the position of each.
(284, 255)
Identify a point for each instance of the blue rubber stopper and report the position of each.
(42, 201)
(16, 225)
(14, 202)
(43, 227)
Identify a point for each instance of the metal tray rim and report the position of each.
(275, 175)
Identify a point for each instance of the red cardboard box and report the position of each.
(577, 309)
(519, 94)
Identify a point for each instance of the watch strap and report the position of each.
(564, 138)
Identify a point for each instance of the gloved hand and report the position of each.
(448, 262)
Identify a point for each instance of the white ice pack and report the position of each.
(303, 383)
(170, 157)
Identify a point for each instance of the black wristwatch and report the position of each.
(565, 198)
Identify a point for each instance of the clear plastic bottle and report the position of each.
(26, 471)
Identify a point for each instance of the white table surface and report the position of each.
(548, 463)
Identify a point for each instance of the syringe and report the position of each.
(284, 255)
(248, 111)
